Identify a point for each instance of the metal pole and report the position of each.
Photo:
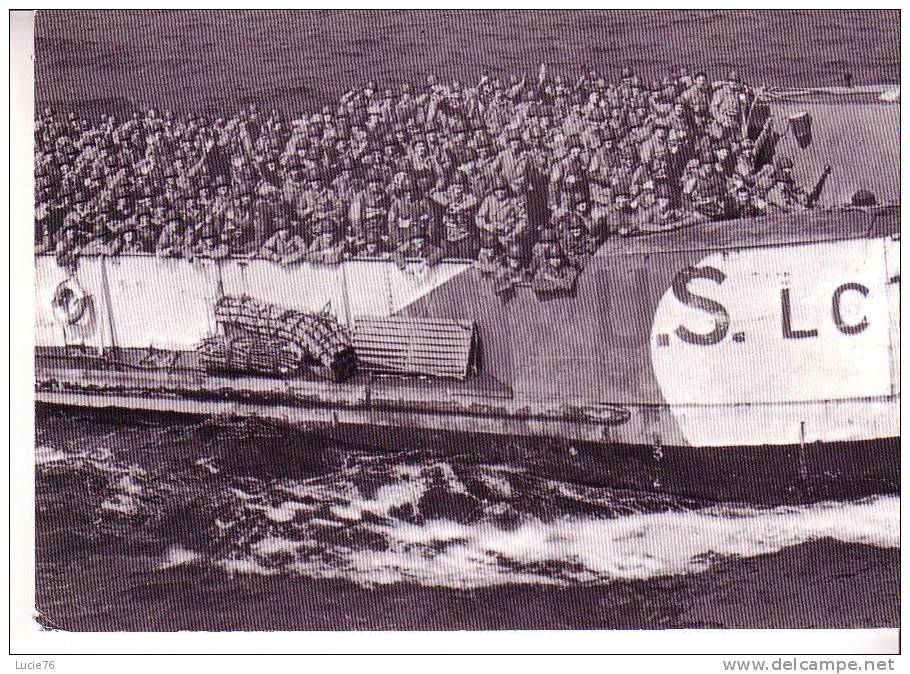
(109, 308)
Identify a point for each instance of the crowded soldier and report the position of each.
(527, 176)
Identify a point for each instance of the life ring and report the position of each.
(70, 302)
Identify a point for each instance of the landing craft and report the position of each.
(750, 359)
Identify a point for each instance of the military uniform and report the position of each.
(481, 174)
(69, 247)
(511, 271)
(548, 236)
(426, 171)
(96, 245)
(621, 219)
(317, 201)
(370, 210)
(284, 247)
(658, 218)
(729, 104)
(569, 182)
(206, 243)
(501, 215)
(576, 241)
(784, 197)
(457, 151)
(539, 160)
(655, 146)
(460, 207)
(489, 256)
(698, 98)
(404, 213)
(601, 167)
(743, 204)
(512, 165)
(417, 245)
(269, 215)
(373, 244)
(126, 242)
(554, 277)
(170, 242)
(293, 187)
(706, 193)
(326, 247)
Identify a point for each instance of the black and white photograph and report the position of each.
(450, 320)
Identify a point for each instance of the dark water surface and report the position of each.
(163, 524)
(213, 62)
(160, 523)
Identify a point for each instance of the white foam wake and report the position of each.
(574, 549)
(435, 525)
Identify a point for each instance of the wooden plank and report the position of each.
(411, 320)
(381, 355)
(417, 349)
(376, 330)
(408, 325)
(440, 343)
(388, 355)
(406, 333)
(417, 322)
(441, 347)
(381, 343)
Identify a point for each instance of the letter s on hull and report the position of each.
(716, 309)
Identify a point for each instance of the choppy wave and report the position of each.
(410, 517)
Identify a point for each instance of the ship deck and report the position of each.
(773, 230)
(155, 370)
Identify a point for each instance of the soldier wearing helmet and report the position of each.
(512, 163)
(406, 208)
(369, 212)
(548, 235)
(512, 271)
(556, 276)
(489, 256)
(502, 214)
(698, 98)
(660, 216)
(785, 195)
(730, 104)
(459, 207)
(284, 246)
(328, 246)
(569, 180)
(577, 241)
(418, 245)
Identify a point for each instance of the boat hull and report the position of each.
(773, 333)
(770, 474)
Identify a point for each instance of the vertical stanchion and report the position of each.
(348, 319)
(108, 308)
